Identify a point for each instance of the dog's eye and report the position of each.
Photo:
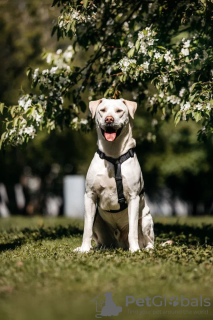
(119, 110)
(102, 110)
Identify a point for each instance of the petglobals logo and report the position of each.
(106, 307)
(163, 301)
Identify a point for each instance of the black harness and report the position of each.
(118, 178)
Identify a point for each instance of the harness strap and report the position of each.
(118, 177)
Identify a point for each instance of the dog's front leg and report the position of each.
(133, 214)
(90, 210)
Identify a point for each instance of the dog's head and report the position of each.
(112, 115)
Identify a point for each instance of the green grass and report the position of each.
(41, 278)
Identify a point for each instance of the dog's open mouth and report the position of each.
(110, 134)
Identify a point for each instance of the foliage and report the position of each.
(177, 163)
(42, 278)
(126, 47)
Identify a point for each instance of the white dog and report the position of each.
(116, 214)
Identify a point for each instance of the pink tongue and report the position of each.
(110, 136)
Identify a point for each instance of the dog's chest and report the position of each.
(105, 187)
(101, 181)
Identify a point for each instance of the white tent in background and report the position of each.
(74, 186)
(4, 211)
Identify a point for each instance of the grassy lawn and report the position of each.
(41, 278)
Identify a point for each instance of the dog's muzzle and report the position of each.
(110, 133)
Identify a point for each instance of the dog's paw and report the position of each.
(83, 249)
(149, 246)
(134, 249)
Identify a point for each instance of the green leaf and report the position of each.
(2, 107)
(12, 110)
(29, 72)
(137, 45)
(85, 3)
(73, 26)
(131, 52)
(191, 98)
(160, 47)
(171, 84)
(68, 27)
(30, 111)
(2, 139)
(198, 116)
(121, 42)
(193, 86)
(178, 117)
(106, 93)
(15, 121)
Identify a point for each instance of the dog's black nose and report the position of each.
(109, 119)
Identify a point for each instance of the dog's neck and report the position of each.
(121, 145)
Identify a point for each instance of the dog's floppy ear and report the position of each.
(93, 106)
(131, 106)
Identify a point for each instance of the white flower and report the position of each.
(186, 44)
(152, 100)
(25, 102)
(186, 106)
(165, 79)
(199, 106)
(53, 70)
(30, 131)
(130, 44)
(157, 55)
(196, 56)
(28, 104)
(49, 58)
(126, 26)
(59, 51)
(125, 63)
(67, 55)
(181, 93)
(84, 121)
(143, 48)
(185, 52)
(184, 116)
(161, 95)
(173, 99)
(61, 23)
(35, 74)
(146, 65)
(141, 35)
(208, 106)
(168, 57)
(37, 117)
(151, 42)
(46, 71)
(21, 101)
(154, 122)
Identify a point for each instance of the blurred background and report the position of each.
(41, 179)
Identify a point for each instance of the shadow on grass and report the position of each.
(51, 233)
(179, 233)
(185, 234)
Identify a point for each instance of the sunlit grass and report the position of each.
(42, 278)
